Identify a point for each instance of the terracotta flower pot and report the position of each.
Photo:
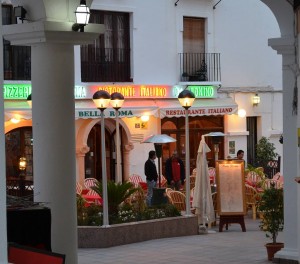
(273, 248)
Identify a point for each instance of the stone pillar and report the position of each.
(3, 225)
(286, 47)
(53, 116)
(80, 156)
(54, 141)
(127, 149)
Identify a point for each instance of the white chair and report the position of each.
(135, 179)
(78, 188)
(89, 182)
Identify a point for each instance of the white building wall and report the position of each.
(242, 30)
(238, 30)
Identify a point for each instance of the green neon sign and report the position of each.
(203, 91)
(16, 91)
(21, 91)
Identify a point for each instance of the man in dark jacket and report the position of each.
(175, 172)
(151, 175)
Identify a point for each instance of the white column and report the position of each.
(3, 225)
(285, 46)
(54, 141)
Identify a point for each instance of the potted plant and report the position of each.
(265, 151)
(270, 203)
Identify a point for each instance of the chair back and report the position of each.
(250, 194)
(192, 182)
(163, 181)
(270, 182)
(212, 175)
(89, 182)
(177, 199)
(215, 201)
(78, 188)
(254, 178)
(135, 179)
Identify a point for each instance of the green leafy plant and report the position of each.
(265, 151)
(270, 204)
(88, 215)
(117, 193)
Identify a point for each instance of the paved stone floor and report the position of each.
(231, 246)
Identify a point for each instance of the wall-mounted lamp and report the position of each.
(22, 167)
(242, 113)
(82, 16)
(145, 118)
(20, 12)
(255, 100)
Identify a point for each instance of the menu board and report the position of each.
(231, 187)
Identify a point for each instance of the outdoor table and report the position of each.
(92, 198)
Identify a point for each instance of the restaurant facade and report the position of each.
(148, 109)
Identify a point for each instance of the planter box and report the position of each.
(121, 234)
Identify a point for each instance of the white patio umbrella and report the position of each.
(202, 199)
(158, 140)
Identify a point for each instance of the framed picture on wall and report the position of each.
(231, 147)
(231, 187)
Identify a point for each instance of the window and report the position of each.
(193, 35)
(16, 59)
(108, 59)
(18, 143)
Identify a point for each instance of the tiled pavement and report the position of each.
(231, 246)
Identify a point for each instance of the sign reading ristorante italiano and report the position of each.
(21, 91)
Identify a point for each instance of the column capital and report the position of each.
(129, 146)
(41, 32)
(82, 150)
(284, 45)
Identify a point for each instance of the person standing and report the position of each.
(151, 175)
(175, 172)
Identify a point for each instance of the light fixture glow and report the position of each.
(145, 118)
(255, 100)
(242, 113)
(82, 16)
(15, 120)
(22, 163)
(186, 99)
(101, 99)
(117, 100)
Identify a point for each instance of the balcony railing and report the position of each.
(200, 67)
(105, 65)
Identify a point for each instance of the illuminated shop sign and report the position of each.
(21, 91)
(203, 91)
(108, 113)
(198, 111)
(200, 91)
(16, 91)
